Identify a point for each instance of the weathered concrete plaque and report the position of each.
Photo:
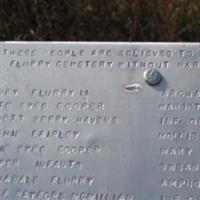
(99, 121)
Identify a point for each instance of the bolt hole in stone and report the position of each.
(135, 87)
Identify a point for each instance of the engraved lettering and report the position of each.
(50, 119)
(14, 118)
(30, 64)
(171, 121)
(59, 134)
(179, 167)
(176, 151)
(31, 149)
(9, 163)
(4, 148)
(109, 120)
(10, 133)
(19, 179)
(79, 149)
(180, 183)
(72, 180)
(20, 52)
(80, 106)
(58, 164)
(4, 193)
(102, 196)
(54, 92)
(9, 92)
(39, 195)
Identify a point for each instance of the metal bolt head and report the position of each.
(152, 77)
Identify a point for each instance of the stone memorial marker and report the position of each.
(99, 121)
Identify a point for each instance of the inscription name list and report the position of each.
(70, 131)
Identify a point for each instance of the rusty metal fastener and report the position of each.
(152, 77)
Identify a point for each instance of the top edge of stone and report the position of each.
(100, 43)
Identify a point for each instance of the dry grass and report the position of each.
(100, 20)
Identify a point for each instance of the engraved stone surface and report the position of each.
(79, 121)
